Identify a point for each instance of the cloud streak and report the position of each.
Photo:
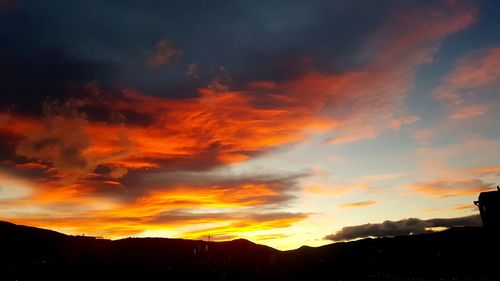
(444, 188)
(359, 204)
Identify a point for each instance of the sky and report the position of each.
(287, 123)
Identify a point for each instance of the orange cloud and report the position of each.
(486, 170)
(359, 204)
(217, 128)
(444, 188)
(15, 125)
(221, 224)
(73, 208)
(468, 207)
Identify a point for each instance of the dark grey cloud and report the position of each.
(256, 40)
(28, 78)
(48, 45)
(280, 185)
(402, 227)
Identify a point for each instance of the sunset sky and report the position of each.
(281, 122)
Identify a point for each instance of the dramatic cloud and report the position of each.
(175, 203)
(60, 141)
(402, 227)
(181, 221)
(220, 126)
(214, 129)
(124, 145)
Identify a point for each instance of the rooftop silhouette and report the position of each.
(489, 207)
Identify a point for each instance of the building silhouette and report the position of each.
(489, 207)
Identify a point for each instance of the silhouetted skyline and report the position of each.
(463, 253)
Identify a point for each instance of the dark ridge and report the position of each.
(28, 253)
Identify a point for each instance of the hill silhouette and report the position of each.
(28, 253)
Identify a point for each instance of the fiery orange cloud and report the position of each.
(215, 127)
(154, 212)
(235, 224)
(226, 127)
(72, 208)
(16, 125)
(359, 204)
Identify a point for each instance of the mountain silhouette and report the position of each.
(28, 253)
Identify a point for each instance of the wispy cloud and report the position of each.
(446, 188)
(423, 136)
(475, 73)
(380, 177)
(359, 204)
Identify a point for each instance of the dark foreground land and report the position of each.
(28, 253)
